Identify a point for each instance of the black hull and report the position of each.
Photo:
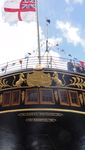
(20, 131)
(54, 122)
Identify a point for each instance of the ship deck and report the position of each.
(32, 62)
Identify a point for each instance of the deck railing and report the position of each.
(31, 62)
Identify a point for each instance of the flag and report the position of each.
(29, 53)
(62, 50)
(57, 45)
(75, 58)
(2, 69)
(48, 20)
(20, 10)
(13, 64)
(69, 55)
(82, 63)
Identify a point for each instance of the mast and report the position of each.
(38, 32)
(47, 21)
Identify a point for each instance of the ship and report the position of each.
(41, 107)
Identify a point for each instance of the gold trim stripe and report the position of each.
(43, 109)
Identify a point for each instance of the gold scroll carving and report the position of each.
(81, 98)
(56, 95)
(23, 96)
(77, 81)
(3, 83)
(34, 78)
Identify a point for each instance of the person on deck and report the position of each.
(79, 68)
(82, 66)
(70, 65)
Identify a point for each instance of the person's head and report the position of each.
(77, 65)
(70, 60)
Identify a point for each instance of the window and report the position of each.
(39, 96)
(74, 100)
(6, 99)
(63, 97)
(32, 96)
(46, 96)
(15, 97)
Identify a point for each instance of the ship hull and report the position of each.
(42, 130)
(42, 110)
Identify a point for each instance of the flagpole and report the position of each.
(47, 43)
(38, 32)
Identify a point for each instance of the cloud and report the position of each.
(78, 1)
(67, 1)
(70, 9)
(75, 1)
(54, 40)
(71, 33)
(51, 46)
(18, 39)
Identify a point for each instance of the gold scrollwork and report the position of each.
(3, 83)
(56, 95)
(41, 120)
(23, 96)
(34, 78)
(81, 98)
(77, 81)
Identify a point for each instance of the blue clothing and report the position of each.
(70, 66)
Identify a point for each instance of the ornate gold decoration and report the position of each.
(77, 81)
(38, 67)
(57, 80)
(40, 114)
(40, 120)
(39, 78)
(20, 81)
(56, 95)
(42, 78)
(81, 98)
(0, 99)
(3, 83)
(23, 96)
